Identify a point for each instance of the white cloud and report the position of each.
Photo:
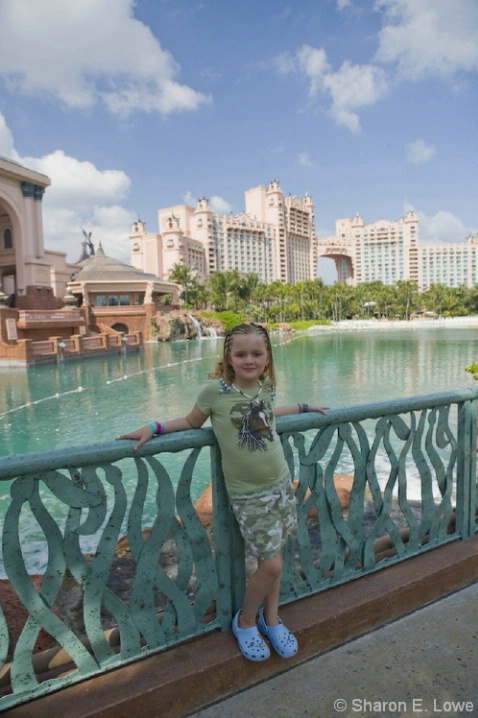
(79, 184)
(109, 225)
(7, 148)
(313, 63)
(96, 52)
(418, 152)
(80, 196)
(429, 37)
(304, 160)
(349, 89)
(190, 199)
(354, 87)
(284, 63)
(443, 227)
(217, 204)
(420, 38)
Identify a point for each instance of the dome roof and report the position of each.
(99, 267)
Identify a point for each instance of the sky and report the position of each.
(369, 106)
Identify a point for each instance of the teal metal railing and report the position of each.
(411, 465)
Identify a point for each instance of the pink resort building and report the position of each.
(51, 309)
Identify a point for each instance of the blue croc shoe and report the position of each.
(283, 641)
(252, 645)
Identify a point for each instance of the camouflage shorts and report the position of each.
(267, 519)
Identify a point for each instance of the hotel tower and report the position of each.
(275, 238)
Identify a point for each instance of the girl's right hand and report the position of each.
(144, 434)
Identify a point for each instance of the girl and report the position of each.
(239, 402)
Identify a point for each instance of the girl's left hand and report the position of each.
(319, 409)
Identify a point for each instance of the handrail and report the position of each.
(101, 453)
(116, 450)
(84, 499)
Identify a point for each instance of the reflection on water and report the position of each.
(347, 369)
(56, 406)
(92, 401)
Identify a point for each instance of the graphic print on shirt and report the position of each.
(254, 428)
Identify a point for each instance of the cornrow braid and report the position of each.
(224, 369)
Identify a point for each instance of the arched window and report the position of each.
(8, 239)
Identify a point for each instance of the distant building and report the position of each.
(50, 308)
(388, 251)
(453, 265)
(274, 238)
(103, 281)
(384, 251)
(116, 295)
(30, 274)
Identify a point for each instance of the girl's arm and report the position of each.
(194, 420)
(299, 409)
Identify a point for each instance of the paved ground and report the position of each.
(422, 666)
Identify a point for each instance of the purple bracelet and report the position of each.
(159, 428)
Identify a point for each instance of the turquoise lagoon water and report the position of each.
(75, 404)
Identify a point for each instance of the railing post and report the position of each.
(77, 343)
(229, 547)
(25, 349)
(55, 341)
(466, 469)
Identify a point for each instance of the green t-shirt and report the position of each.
(252, 455)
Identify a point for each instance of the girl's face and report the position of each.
(248, 358)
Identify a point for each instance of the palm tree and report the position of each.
(385, 300)
(434, 298)
(343, 301)
(457, 301)
(407, 297)
(182, 275)
(473, 300)
(317, 292)
(218, 285)
(260, 298)
(301, 294)
(245, 287)
(280, 292)
(223, 285)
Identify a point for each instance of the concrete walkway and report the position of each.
(425, 664)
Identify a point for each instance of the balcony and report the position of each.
(38, 319)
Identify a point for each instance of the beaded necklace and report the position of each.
(226, 387)
(239, 391)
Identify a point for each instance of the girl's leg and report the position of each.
(271, 600)
(263, 586)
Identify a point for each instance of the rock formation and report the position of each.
(182, 324)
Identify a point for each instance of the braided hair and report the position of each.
(224, 369)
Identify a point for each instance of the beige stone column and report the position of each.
(37, 269)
